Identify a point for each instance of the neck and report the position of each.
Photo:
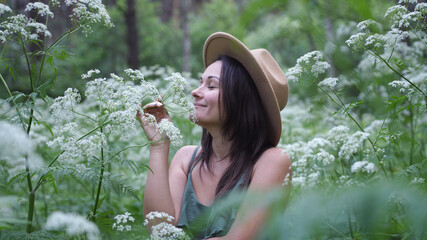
(220, 145)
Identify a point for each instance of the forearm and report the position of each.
(157, 195)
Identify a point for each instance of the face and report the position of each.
(206, 97)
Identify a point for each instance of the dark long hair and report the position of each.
(245, 125)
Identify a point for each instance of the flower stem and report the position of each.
(101, 176)
(342, 105)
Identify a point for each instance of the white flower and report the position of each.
(123, 218)
(166, 127)
(363, 166)
(157, 215)
(63, 107)
(89, 11)
(42, 9)
(324, 157)
(356, 41)
(90, 73)
(418, 180)
(4, 9)
(74, 225)
(294, 73)
(328, 82)
(408, 1)
(338, 135)
(167, 231)
(353, 143)
(364, 25)
(375, 41)
(22, 27)
(422, 8)
(403, 85)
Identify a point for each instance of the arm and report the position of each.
(268, 174)
(165, 186)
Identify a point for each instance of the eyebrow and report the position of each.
(210, 77)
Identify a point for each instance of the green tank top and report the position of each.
(192, 210)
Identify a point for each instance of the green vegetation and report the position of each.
(71, 150)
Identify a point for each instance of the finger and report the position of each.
(153, 105)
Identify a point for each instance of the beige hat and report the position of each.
(268, 77)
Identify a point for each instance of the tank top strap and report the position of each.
(192, 160)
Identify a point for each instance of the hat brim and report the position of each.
(225, 44)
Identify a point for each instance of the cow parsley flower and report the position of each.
(417, 180)
(353, 143)
(357, 41)
(4, 9)
(90, 73)
(365, 25)
(164, 230)
(328, 82)
(89, 11)
(403, 85)
(408, 1)
(63, 106)
(308, 63)
(121, 219)
(166, 127)
(42, 9)
(375, 41)
(363, 166)
(294, 73)
(422, 8)
(23, 27)
(338, 135)
(74, 225)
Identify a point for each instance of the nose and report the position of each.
(196, 93)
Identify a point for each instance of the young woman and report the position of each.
(238, 105)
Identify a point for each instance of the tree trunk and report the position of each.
(132, 39)
(329, 29)
(166, 11)
(184, 8)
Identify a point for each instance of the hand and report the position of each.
(159, 111)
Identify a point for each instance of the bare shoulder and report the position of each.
(271, 168)
(182, 157)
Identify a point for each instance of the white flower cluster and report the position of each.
(352, 145)
(365, 25)
(166, 127)
(309, 63)
(90, 73)
(121, 219)
(363, 166)
(15, 146)
(163, 230)
(75, 225)
(328, 82)
(89, 11)
(177, 88)
(42, 9)
(417, 180)
(76, 151)
(313, 159)
(22, 27)
(401, 17)
(167, 231)
(63, 106)
(4, 9)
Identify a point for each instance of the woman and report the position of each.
(238, 105)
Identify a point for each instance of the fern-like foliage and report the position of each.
(18, 235)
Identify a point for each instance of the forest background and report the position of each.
(354, 126)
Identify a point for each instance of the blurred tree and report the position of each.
(184, 9)
(132, 38)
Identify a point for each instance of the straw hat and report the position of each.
(268, 76)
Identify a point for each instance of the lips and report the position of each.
(197, 105)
